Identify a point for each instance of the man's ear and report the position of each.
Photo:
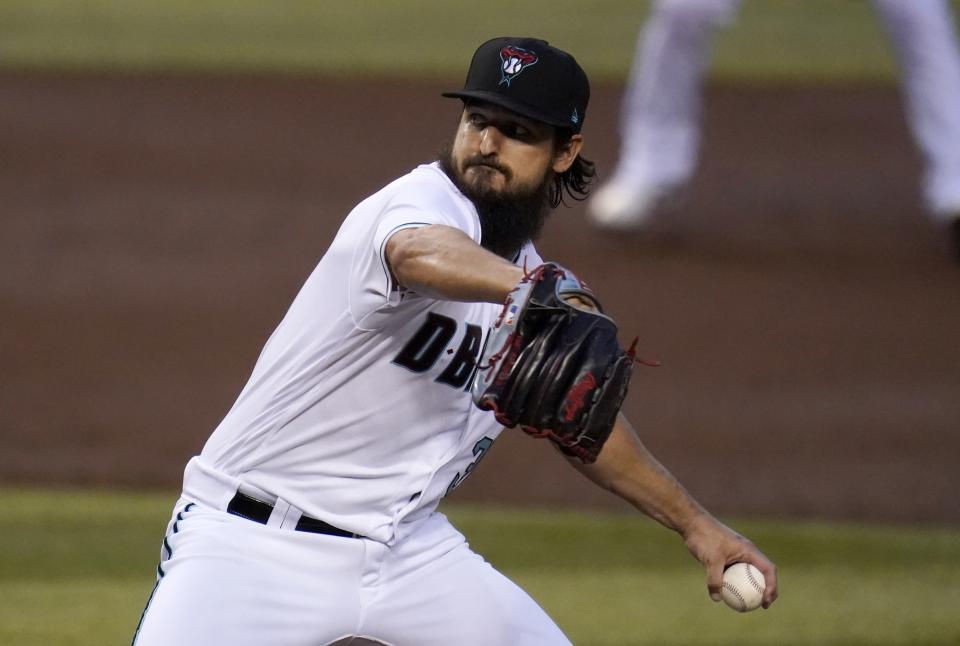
(566, 155)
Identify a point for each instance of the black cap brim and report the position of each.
(509, 103)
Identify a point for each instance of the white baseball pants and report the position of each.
(227, 580)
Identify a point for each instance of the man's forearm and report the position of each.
(626, 468)
(443, 262)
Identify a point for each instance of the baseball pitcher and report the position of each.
(429, 325)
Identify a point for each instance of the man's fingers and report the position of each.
(714, 580)
(583, 302)
(771, 591)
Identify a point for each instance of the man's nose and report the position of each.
(490, 140)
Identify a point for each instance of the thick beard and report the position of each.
(508, 219)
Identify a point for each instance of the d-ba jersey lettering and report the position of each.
(366, 454)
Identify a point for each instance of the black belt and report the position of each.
(259, 512)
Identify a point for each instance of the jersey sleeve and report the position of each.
(372, 288)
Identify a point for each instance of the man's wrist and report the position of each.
(694, 521)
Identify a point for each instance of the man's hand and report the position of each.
(716, 546)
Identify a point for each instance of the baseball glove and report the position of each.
(554, 367)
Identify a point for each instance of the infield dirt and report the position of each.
(153, 230)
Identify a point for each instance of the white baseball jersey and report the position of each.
(358, 411)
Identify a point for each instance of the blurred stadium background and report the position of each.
(170, 172)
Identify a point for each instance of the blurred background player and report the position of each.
(661, 109)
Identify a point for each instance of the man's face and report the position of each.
(505, 164)
(498, 152)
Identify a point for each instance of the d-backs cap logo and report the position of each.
(515, 60)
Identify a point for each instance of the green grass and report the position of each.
(771, 40)
(77, 567)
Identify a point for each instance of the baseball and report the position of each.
(743, 587)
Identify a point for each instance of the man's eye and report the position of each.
(477, 120)
(516, 131)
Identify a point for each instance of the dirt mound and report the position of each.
(153, 231)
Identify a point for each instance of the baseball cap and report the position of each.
(530, 77)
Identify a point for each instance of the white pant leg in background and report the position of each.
(925, 42)
(660, 117)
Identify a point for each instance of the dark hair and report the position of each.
(576, 179)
